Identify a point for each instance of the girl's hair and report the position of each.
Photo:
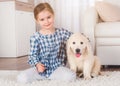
(40, 7)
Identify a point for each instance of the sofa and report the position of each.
(101, 24)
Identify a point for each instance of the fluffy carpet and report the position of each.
(8, 78)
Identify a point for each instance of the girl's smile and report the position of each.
(46, 20)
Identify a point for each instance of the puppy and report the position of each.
(80, 56)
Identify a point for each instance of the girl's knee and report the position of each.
(69, 76)
(72, 76)
(64, 74)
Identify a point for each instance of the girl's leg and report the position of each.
(29, 75)
(64, 74)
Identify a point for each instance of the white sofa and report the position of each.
(104, 36)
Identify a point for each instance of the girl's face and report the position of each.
(46, 20)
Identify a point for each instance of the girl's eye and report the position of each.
(73, 42)
(49, 17)
(41, 19)
(81, 42)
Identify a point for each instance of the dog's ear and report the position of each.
(88, 48)
(85, 37)
(68, 47)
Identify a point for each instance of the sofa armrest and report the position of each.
(90, 19)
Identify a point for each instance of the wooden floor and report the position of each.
(21, 64)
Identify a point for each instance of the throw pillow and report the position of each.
(108, 11)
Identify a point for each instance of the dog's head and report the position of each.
(78, 44)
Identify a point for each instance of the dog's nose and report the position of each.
(77, 50)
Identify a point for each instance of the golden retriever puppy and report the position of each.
(80, 56)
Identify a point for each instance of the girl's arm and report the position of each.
(34, 51)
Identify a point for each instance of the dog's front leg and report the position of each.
(87, 70)
(72, 65)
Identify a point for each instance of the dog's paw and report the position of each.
(87, 77)
(94, 75)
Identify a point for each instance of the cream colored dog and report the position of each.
(80, 56)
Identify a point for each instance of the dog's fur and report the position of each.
(80, 56)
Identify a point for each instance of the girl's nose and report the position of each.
(46, 21)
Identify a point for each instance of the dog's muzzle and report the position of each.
(77, 53)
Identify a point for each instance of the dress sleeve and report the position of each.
(66, 34)
(34, 51)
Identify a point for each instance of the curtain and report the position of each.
(69, 13)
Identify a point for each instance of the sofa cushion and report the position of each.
(108, 11)
(107, 29)
(108, 41)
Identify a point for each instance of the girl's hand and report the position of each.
(40, 67)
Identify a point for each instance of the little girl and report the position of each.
(47, 49)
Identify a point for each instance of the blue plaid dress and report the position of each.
(49, 50)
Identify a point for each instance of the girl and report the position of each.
(47, 49)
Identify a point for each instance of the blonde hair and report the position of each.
(40, 7)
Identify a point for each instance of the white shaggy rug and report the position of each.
(8, 78)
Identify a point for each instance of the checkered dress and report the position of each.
(49, 50)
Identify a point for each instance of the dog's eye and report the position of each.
(81, 42)
(73, 42)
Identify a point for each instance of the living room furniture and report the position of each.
(104, 34)
(16, 25)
